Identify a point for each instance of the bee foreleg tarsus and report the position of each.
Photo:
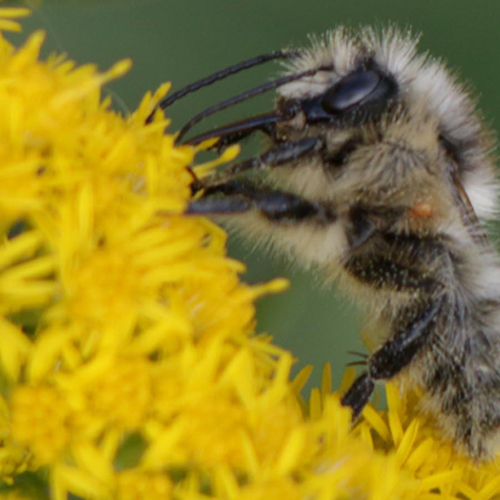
(396, 354)
(283, 154)
(291, 150)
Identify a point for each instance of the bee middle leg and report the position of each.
(243, 196)
(392, 357)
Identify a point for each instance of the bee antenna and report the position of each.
(243, 97)
(220, 75)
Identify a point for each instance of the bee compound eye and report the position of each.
(351, 91)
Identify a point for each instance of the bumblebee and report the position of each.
(378, 171)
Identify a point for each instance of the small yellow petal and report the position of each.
(14, 348)
(440, 479)
(377, 422)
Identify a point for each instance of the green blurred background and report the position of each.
(183, 40)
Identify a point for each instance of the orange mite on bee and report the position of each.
(422, 210)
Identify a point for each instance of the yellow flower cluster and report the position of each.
(129, 365)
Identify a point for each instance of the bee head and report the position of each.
(375, 78)
(353, 85)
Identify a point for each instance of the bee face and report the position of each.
(378, 173)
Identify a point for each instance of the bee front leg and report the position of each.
(392, 357)
(282, 154)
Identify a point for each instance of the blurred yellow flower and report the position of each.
(130, 367)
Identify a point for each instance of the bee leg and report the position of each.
(241, 196)
(269, 129)
(283, 154)
(396, 354)
(219, 206)
(399, 351)
(359, 394)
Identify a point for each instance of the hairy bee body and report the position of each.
(390, 199)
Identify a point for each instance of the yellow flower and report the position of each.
(137, 485)
(40, 421)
